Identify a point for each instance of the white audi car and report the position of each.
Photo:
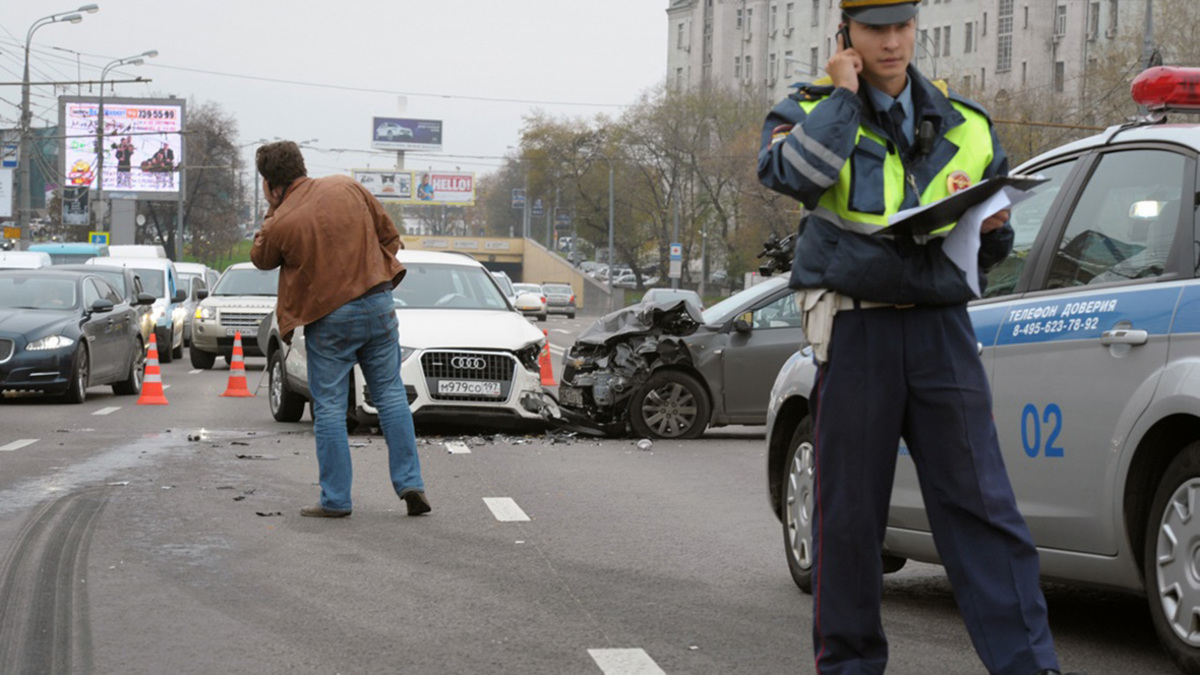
(465, 352)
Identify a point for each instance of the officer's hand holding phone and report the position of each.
(845, 65)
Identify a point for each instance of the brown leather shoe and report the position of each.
(417, 503)
(319, 511)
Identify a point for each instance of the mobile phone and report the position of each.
(844, 31)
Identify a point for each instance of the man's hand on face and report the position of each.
(844, 66)
(995, 221)
(274, 196)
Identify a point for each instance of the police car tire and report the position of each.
(1172, 518)
(797, 506)
(669, 381)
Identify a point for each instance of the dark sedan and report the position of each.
(62, 332)
(129, 285)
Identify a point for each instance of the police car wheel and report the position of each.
(671, 404)
(1172, 559)
(798, 505)
(200, 358)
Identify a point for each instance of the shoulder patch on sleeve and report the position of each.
(811, 91)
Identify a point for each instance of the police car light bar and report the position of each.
(1166, 88)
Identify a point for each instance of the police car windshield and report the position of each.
(246, 281)
(430, 286)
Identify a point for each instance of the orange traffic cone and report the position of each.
(152, 388)
(237, 370)
(544, 364)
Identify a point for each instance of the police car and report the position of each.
(1090, 334)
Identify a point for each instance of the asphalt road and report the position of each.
(152, 539)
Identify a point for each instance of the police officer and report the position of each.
(900, 359)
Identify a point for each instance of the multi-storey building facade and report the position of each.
(978, 46)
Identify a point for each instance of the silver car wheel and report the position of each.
(1177, 563)
(798, 508)
(669, 410)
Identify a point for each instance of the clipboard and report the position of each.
(926, 219)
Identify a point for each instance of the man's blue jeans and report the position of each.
(365, 331)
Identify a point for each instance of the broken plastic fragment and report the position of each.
(645, 444)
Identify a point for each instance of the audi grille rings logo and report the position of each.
(468, 363)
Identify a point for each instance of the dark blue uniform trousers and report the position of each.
(915, 373)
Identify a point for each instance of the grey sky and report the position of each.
(478, 65)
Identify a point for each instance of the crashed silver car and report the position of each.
(667, 370)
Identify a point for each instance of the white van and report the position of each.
(159, 279)
(24, 260)
(137, 251)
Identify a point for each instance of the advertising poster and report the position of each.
(448, 188)
(141, 143)
(75, 206)
(399, 133)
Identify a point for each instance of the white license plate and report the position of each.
(570, 396)
(469, 388)
(246, 332)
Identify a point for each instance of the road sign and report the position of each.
(518, 198)
(538, 209)
(98, 238)
(676, 251)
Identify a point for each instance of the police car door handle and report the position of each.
(1124, 336)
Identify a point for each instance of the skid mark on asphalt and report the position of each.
(625, 662)
(17, 445)
(107, 411)
(505, 509)
(44, 619)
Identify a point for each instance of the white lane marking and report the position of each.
(560, 330)
(457, 448)
(193, 372)
(166, 387)
(17, 445)
(107, 411)
(554, 349)
(625, 662)
(505, 509)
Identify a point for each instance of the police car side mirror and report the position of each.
(145, 299)
(180, 295)
(201, 293)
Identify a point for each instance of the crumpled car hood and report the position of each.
(673, 317)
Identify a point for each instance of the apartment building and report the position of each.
(978, 46)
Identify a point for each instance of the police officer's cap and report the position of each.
(880, 12)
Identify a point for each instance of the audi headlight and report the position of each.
(206, 313)
(529, 354)
(49, 342)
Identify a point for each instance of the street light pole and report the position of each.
(611, 269)
(26, 116)
(137, 60)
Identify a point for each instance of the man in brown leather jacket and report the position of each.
(336, 250)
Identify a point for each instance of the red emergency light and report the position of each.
(1168, 88)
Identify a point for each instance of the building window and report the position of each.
(679, 37)
(937, 41)
(749, 70)
(983, 29)
(1112, 18)
(737, 68)
(1004, 26)
(772, 68)
(679, 79)
(1026, 26)
(813, 61)
(788, 60)
(740, 20)
(771, 18)
(788, 14)
(1024, 71)
(1093, 20)
(1060, 20)
(969, 37)
(946, 41)
(966, 84)
(816, 13)
(1060, 75)
(982, 80)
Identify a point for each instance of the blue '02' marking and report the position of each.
(1031, 423)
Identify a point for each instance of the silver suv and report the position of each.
(241, 299)
(1090, 333)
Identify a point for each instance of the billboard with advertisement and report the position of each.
(448, 188)
(399, 133)
(142, 144)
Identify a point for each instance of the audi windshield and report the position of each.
(427, 286)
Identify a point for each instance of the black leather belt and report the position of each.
(384, 287)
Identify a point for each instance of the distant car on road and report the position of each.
(242, 298)
(531, 301)
(560, 299)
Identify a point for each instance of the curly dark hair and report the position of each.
(280, 163)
